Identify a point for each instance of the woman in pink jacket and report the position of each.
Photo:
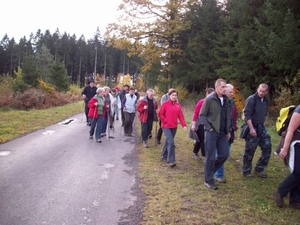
(169, 114)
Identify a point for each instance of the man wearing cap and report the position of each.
(88, 92)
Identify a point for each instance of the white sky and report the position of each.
(21, 17)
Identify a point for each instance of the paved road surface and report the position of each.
(57, 176)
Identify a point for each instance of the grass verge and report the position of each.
(14, 123)
(177, 195)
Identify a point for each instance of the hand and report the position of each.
(145, 107)
(253, 132)
(282, 153)
(83, 96)
(193, 127)
(96, 103)
(184, 128)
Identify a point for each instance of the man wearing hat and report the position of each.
(88, 92)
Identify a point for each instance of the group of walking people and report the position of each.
(214, 125)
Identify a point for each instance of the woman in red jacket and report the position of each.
(97, 112)
(169, 114)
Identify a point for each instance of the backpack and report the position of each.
(284, 118)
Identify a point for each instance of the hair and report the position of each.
(126, 85)
(171, 91)
(209, 90)
(229, 86)
(150, 91)
(100, 90)
(131, 88)
(219, 81)
(105, 88)
(263, 85)
(113, 90)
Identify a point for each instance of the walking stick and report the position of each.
(155, 133)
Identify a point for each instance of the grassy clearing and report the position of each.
(14, 123)
(177, 196)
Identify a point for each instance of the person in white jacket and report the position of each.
(115, 105)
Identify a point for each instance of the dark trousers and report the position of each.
(159, 132)
(214, 142)
(111, 120)
(122, 117)
(200, 145)
(263, 140)
(129, 117)
(291, 183)
(86, 110)
(146, 129)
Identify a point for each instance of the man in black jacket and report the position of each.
(88, 92)
(122, 95)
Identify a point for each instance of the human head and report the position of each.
(113, 91)
(173, 93)
(150, 93)
(126, 87)
(100, 91)
(91, 82)
(262, 90)
(209, 91)
(220, 87)
(229, 91)
(131, 91)
(98, 86)
(106, 90)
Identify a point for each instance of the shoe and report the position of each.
(208, 186)
(220, 180)
(103, 135)
(145, 144)
(195, 156)
(172, 164)
(91, 137)
(149, 136)
(249, 175)
(261, 174)
(130, 135)
(117, 118)
(278, 199)
(294, 205)
(88, 123)
(99, 140)
(164, 160)
(158, 142)
(110, 126)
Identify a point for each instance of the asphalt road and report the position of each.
(57, 175)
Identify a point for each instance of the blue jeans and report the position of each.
(98, 124)
(214, 143)
(220, 172)
(105, 120)
(291, 183)
(168, 151)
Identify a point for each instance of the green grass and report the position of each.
(14, 123)
(177, 196)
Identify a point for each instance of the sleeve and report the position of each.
(203, 117)
(123, 101)
(181, 118)
(249, 107)
(161, 113)
(119, 102)
(234, 117)
(140, 107)
(197, 110)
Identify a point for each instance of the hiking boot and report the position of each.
(91, 137)
(210, 186)
(261, 174)
(294, 205)
(145, 144)
(99, 140)
(249, 175)
(278, 199)
(150, 136)
(195, 156)
(172, 164)
(220, 179)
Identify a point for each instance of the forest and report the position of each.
(188, 43)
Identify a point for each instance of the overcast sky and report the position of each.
(21, 17)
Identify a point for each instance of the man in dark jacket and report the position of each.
(122, 95)
(215, 117)
(255, 112)
(87, 94)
